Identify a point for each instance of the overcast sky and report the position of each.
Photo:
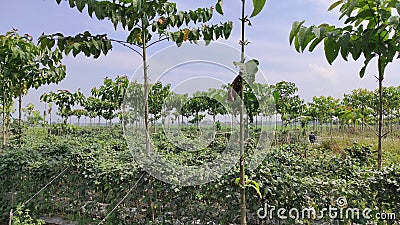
(268, 37)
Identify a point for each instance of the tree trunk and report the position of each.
(380, 113)
(20, 115)
(198, 120)
(50, 117)
(3, 144)
(123, 118)
(243, 220)
(146, 91)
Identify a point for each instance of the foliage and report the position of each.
(111, 95)
(25, 65)
(288, 104)
(100, 171)
(65, 100)
(157, 96)
(361, 154)
(372, 29)
(22, 217)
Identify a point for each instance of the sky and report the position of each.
(269, 43)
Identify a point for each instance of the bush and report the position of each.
(361, 154)
(22, 217)
(62, 129)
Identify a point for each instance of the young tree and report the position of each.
(25, 65)
(65, 100)
(198, 103)
(134, 96)
(360, 99)
(371, 29)
(247, 75)
(157, 97)
(288, 103)
(111, 93)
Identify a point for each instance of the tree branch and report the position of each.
(124, 43)
(160, 40)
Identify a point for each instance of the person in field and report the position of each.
(311, 137)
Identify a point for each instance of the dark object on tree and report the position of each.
(312, 138)
(235, 88)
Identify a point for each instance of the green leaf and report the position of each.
(305, 36)
(218, 7)
(364, 68)
(331, 49)
(334, 5)
(71, 3)
(258, 7)
(355, 50)
(314, 44)
(80, 5)
(255, 186)
(237, 180)
(251, 69)
(295, 29)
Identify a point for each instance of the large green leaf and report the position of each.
(331, 49)
(334, 5)
(295, 29)
(258, 7)
(305, 36)
(218, 7)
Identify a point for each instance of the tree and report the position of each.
(79, 113)
(157, 97)
(322, 108)
(65, 100)
(360, 99)
(25, 65)
(198, 103)
(288, 104)
(32, 115)
(93, 106)
(134, 98)
(176, 102)
(371, 29)
(246, 75)
(264, 92)
(111, 93)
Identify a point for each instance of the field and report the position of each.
(89, 175)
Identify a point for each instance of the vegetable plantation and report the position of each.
(139, 152)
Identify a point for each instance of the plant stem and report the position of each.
(146, 91)
(243, 220)
(20, 114)
(3, 145)
(380, 112)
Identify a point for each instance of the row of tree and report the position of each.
(122, 99)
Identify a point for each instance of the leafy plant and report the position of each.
(25, 65)
(372, 29)
(21, 217)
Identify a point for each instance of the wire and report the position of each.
(122, 200)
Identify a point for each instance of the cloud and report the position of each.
(326, 73)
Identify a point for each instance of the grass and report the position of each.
(390, 144)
